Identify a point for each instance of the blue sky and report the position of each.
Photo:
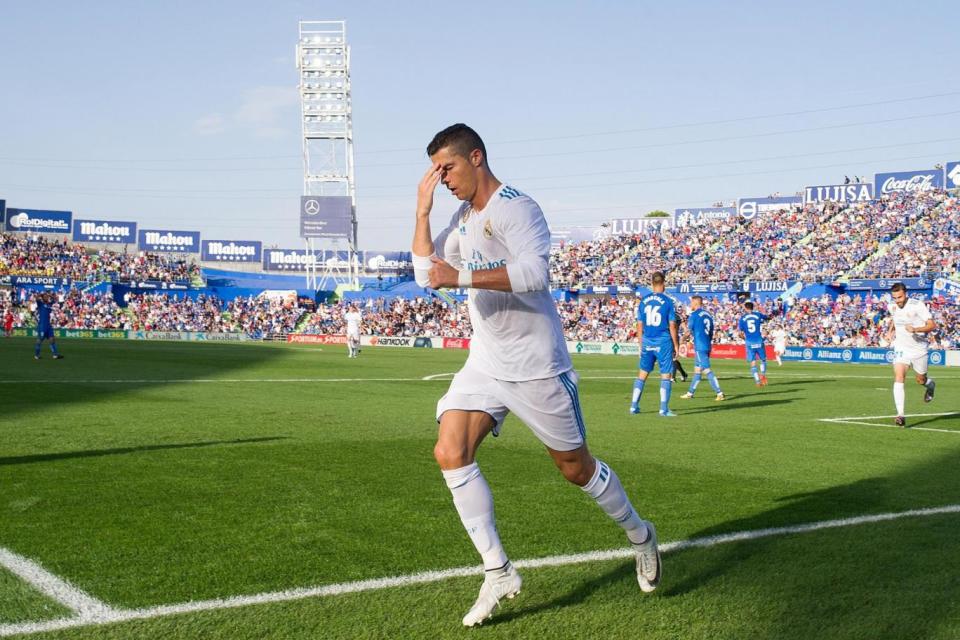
(185, 115)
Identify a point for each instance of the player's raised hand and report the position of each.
(428, 184)
(442, 274)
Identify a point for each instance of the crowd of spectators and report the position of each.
(818, 241)
(397, 317)
(30, 255)
(260, 316)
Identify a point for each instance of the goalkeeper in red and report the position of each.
(497, 246)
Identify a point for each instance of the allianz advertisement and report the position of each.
(908, 181)
(749, 208)
(231, 250)
(855, 192)
(164, 241)
(39, 220)
(104, 231)
(850, 355)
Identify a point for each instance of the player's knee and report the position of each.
(575, 472)
(451, 456)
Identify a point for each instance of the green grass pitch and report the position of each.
(150, 474)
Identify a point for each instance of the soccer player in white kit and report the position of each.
(779, 336)
(497, 245)
(910, 323)
(352, 316)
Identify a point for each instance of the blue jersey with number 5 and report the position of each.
(656, 312)
(750, 325)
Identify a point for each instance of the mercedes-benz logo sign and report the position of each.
(311, 207)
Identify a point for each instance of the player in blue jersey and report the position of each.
(657, 335)
(701, 325)
(749, 326)
(45, 325)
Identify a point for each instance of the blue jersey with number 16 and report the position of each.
(656, 312)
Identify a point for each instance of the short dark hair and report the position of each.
(748, 306)
(658, 278)
(461, 139)
(898, 286)
(698, 298)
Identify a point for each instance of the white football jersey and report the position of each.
(353, 321)
(779, 336)
(914, 314)
(516, 336)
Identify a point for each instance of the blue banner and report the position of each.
(39, 220)
(851, 355)
(946, 288)
(748, 208)
(910, 181)
(768, 286)
(326, 217)
(163, 241)
(699, 215)
(46, 281)
(886, 283)
(630, 226)
(289, 260)
(104, 231)
(377, 261)
(953, 175)
(853, 192)
(231, 250)
(695, 287)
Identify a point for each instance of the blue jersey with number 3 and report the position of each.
(701, 328)
(656, 312)
(750, 325)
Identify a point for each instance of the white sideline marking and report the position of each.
(858, 420)
(110, 616)
(84, 605)
(438, 375)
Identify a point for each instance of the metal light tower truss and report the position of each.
(323, 60)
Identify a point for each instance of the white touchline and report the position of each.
(110, 616)
(859, 420)
(84, 605)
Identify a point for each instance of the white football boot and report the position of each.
(503, 583)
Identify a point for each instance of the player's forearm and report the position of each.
(422, 239)
(493, 279)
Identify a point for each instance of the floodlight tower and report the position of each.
(323, 60)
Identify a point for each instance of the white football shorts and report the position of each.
(916, 358)
(550, 407)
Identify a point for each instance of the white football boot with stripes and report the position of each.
(648, 561)
(497, 585)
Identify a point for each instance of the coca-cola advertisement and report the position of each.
(909, 181)
(456, 343)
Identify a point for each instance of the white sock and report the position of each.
(898, 397)
(605, 488)
(474, 503)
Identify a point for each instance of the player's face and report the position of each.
(457, 173)
(900, 297)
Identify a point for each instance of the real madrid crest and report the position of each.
(487, 230)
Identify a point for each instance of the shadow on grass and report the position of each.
(97, 370)
(913, 422)
(96, 453)
(729, 405)
(895, 581)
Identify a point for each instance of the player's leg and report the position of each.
(551, 408)
(695, 380)
(665, 358)
(762, 354)
(920, 365)
(777, 353)
(678, 369)
(712, 379)
(36, 347)
(647, 360)
(53, 346)
(899, 396)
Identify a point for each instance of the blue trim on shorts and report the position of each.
(571, 388)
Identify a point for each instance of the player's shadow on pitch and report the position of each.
(886, 567)
(581, 593)
(97, 453)
(731, 405)
(914, 422)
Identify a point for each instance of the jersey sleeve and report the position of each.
(442, 248)
(923, 312)
(526, 236)
(672, 315)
